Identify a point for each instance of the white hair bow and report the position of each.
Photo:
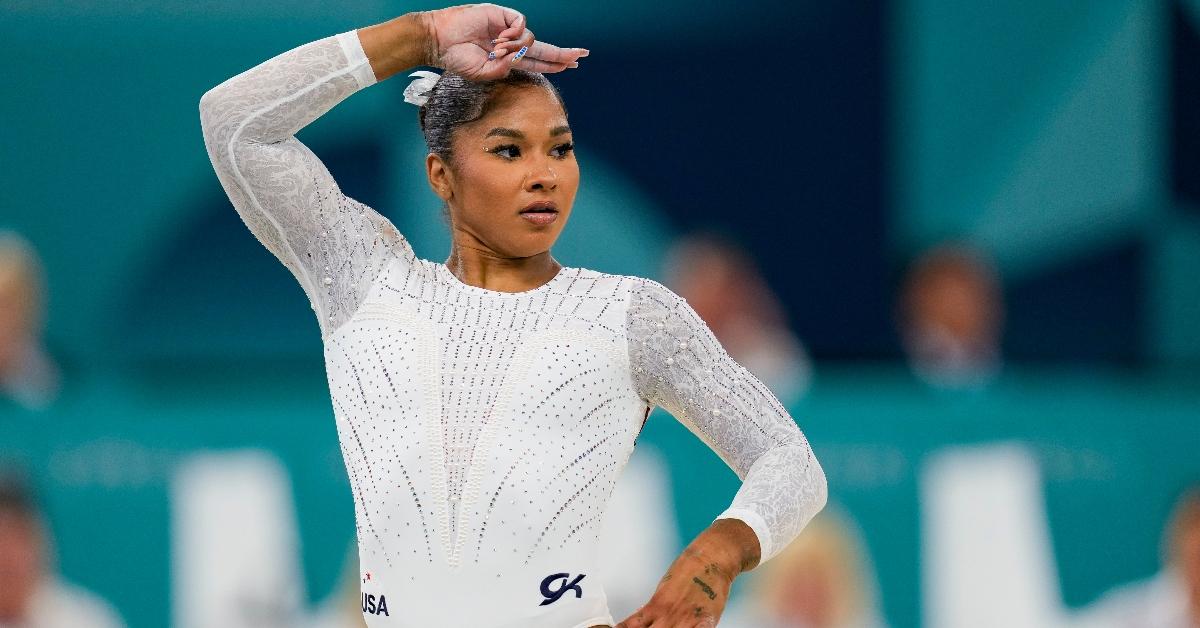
(417, 91)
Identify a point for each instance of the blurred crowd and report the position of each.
(950, 317)
(32, 594)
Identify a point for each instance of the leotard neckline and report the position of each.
(458, 283)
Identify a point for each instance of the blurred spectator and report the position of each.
(30, 595)
(722, 283)
(823, 579)
(1169, 599)
(951, 314)
(27, 374)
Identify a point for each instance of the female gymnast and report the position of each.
(486, 405)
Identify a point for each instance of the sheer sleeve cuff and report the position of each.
(756, 523)
(357, 57)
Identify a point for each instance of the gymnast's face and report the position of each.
(519, 153)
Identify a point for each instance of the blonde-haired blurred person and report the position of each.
(28, 375)
(823, 579)
(1169, 598)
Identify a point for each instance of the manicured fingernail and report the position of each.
(586, 52)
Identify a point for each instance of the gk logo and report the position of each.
(553, 595)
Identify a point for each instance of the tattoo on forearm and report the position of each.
(704, 587)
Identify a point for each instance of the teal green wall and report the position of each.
(1038, 131)
(1035, 129)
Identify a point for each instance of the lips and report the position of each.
(540, 213)
(540, 206)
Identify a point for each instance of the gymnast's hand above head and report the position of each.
(461, 38)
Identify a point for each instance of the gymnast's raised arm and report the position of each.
(334, 245)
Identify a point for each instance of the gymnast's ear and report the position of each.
(441, 178)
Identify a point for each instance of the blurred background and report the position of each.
(959, 240)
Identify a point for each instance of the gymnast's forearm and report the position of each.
(273, 100)
(782, 491)
(398, 44)
(730, 544)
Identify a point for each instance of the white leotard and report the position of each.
(483, 431)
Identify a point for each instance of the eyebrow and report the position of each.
(558, 130)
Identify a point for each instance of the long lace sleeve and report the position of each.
(334, 245)
(679, 364)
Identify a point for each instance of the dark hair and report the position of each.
(16, 495)
(455, 101)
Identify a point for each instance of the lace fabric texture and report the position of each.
(333, 244)
(344, 254)
(679, 364)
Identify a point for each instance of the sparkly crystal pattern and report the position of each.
(482, 431)
(678, 364)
